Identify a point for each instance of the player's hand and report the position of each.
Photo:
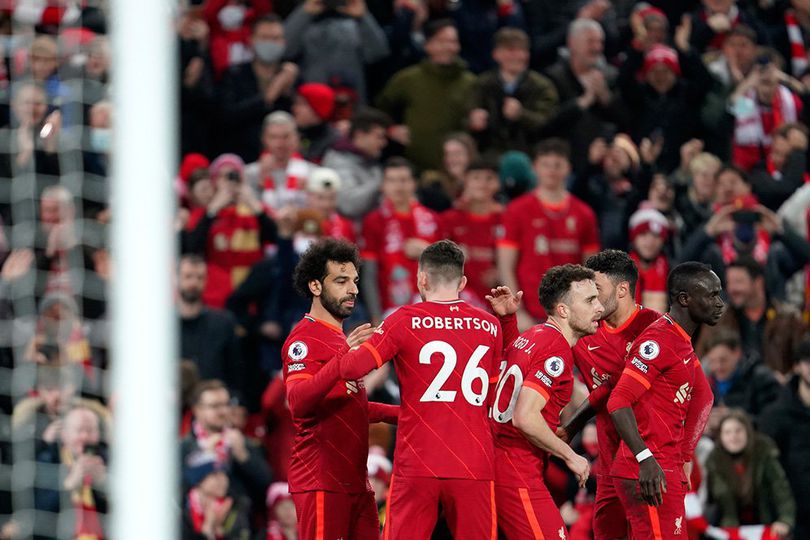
(652, 481)
(687, 471)
(503, 302)
(580, 467)
(563, 434)
(360, 335)
(779, 529)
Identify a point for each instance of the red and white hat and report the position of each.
(278, 491)
(378, 465)
(661, 54)
(649, 220)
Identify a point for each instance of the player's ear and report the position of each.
(562, 310)
(315, 287)
(462, 283)
(683, 299)
(624, 289)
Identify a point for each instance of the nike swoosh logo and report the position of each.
(593, 348)
(686, 361)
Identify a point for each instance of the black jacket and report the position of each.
(753, 387)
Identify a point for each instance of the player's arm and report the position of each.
(382, 412)
(375, 352)
(628, 391)
(528, 419)
(697, 416)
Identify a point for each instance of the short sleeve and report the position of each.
(512, 227)
(544, 372)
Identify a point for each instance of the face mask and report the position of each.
(231, 17)
(268, 51)
(100, 140)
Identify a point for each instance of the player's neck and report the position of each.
(681, 316)
(319, 312)
(570, 336)
(189, 310)
(442, 294)
(620, 316)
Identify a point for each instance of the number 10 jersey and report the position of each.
(446, 356)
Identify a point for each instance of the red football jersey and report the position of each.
(600, 359)
(384, 234)
(330, 448)
(445, 355)
(663, 361)
(476, 234)
(547, 235)
(339, 227)
(652, 277)
(540, 359)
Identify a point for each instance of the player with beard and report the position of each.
(535, 384)
(660, 406)
(327, 474)
(600, 360)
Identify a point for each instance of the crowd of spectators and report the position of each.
(531, 132)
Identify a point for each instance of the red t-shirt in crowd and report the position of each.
(652, 277)
(476, 234)
(384, 234)
(339, 227)
(600, 359)
(539, 359)
(330, 448)
(445, 355)
(664, 364)
(547, 235)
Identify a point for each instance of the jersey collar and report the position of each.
(678, 328)
(330, 326)
(610, 330)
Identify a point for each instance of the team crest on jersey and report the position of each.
(554, 366)
(679, 526)
(298, 351)
(561, 533)
(649, 350)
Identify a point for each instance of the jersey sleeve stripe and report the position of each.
(298, 377)
(320, 524)
(530, 516)
(387, 525)
(644, 382)
(537, 388)
(507, 244)
(374, 353)
(494, 534)
(655, 522)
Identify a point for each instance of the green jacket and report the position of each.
(432, 100)
(773, 500)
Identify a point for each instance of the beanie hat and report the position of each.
(378, 465)
(320, 97)
(516, 173)
(226, 160)
(192, 162)
(661, 54)
(198, 466)
(323, 179)
(629, 147)
(648, 220)
(278, 491)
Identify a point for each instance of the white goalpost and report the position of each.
(143, 480)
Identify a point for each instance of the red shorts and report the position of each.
(413, 507)
(653, 522)
(528, 513)
(325, 515)
(609, 522)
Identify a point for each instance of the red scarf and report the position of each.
(718, 39)
(88, 524)
(798, 53)
(196, 509)
(759, 253)
(220, 448)
(777, 174)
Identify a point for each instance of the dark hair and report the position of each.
(616, 265)
(556, 283)
(198, 175)
(723, 336)
(511, 37)
(312, 265)
(749, 264)
(397, 162)
(483, 165)
(553, 145)
(366, 119)
(191, 258)
(728, 167)
(270, 18)
(785, 129)
(803, 350)
(434, 27)
(743, 30)
(206, 386)
(682, 277)
(443, 261)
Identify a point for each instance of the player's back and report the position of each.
(663, 361)
(600, 359)
(539, 359)
(446, 357)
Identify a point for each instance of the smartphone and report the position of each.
(233, 176)
(91, 449)
(746, 217)
(50, 351)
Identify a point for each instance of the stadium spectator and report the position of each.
(746, 483)
(197, 90)
(738, 377)
(230, 22)
(589, 104)
(247, 471)
(791, 37)
(335, 43)
(695, 186)
(379, 475)
(43, 68)
(511, 103)
(283, 524)
(431, 98)
(394, 237)
(544, 228)
(280, 174)
(439, 188)
(715, 19)
(356, 159)
(787, 422)
(313, 107)
(250, 91)
(782, 172)
(207, 336)
(649, 230)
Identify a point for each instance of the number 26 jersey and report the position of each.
(446, 356)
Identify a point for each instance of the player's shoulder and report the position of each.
(646, 317)
(659, 336)
(549, 338)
